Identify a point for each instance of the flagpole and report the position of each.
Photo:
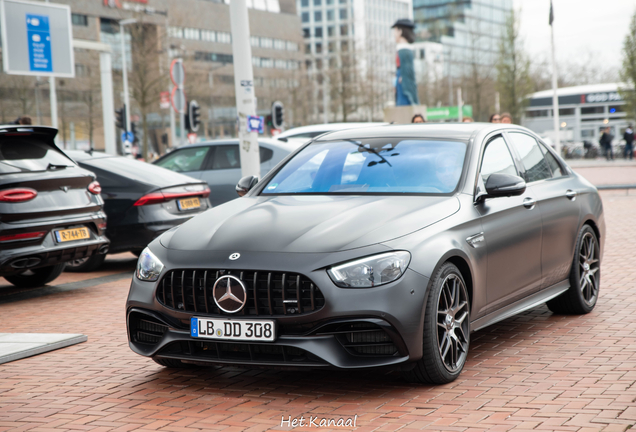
(555, 97)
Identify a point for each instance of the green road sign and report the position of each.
(447, 113)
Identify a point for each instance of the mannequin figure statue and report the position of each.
(405, 85)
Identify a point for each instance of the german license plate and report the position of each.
(189, 203)
(233, 330)
(72, 234)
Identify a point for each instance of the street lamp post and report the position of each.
(122, 23)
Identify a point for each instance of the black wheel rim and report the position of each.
(588, 269)
(453, 323)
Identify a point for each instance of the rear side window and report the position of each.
(531, 156)
(185, 160)
(19, 154)
(557, 171)
(497, 159)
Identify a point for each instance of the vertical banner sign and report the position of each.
(39, 42)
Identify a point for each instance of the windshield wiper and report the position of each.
(371, 150)
(54, 167)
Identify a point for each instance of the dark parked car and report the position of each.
(218, 163)
(50, 209)
(378, 247)
(141, 201)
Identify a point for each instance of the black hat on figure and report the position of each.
(404, 22)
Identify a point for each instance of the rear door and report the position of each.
(556, 195)
(512, 232)
(28, 161)
(223, 170)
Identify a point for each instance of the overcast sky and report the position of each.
(580, 27)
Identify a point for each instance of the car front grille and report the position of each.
(268, 293)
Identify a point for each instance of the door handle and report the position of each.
(529, 203)
(571, 194)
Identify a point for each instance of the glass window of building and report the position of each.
(255, 41)
(318, 16)
(267, 42)
(614, 109)
(306, 32)
(593, 110)
(344, 30)
(331, 31)
(79, 20)
(566, 111)
(331, 15)
(305, 17)
(307, 48)
(304, 3)
(318, 47)
(317, 2)
(343, 14)
(318, 32)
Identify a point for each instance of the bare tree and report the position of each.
(146, 79)
(628, 70)
(513, 70)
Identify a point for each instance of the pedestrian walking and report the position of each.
(405, 84)
(606, 143)
(628, 136)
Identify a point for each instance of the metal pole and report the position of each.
(53, 99)
(108, 104)
(37, 100)
(244, 85)
(460, 105)
(555, 98)
(124, 69)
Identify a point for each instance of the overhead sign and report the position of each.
(448, 113)
(37, 39)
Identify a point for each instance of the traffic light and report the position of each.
(133, 129)
(194, 116)
(278, 113)
(120, 118)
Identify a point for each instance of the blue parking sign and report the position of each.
(39, 39)
(255, 124)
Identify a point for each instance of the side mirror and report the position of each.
(245, 184)
(504, 185)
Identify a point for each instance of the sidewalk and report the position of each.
(601, 172)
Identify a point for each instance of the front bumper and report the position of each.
(322, 338)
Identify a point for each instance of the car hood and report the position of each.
(309, 224)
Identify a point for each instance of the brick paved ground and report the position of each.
(535, 371)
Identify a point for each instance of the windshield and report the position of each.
(372, 166)
(29, 154)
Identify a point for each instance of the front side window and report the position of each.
(497, 159)
(381, 165)
(557, 171)
(186, 160)
(531, 156)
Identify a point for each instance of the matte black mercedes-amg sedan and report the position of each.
(50, 208)
(383, 246)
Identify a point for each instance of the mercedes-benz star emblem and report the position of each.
(229, 294)
(235, 256)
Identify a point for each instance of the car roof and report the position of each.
(458, 131)
(327, 127)
(82, 155)
(289, 146)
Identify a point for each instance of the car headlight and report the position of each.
(371, 271)
(148, 267)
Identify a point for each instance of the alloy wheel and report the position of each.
(452, 323)
(588, 268)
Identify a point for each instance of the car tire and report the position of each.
(171, 363)
(87, 264)
(446, 329)
(585, 277)
(37, 277)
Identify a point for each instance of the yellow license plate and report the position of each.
(72, 234)
(189, 203)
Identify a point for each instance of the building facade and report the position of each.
(349, 54)
(197, 31)
(469, 30)
(584, 111)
